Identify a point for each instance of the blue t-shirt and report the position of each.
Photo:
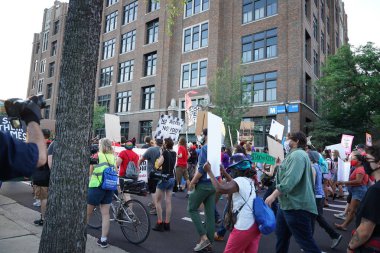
(17, 159)
(318, 181)
(202, 159)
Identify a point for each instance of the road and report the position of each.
(182, 237)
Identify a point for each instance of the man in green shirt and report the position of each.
(295, 191)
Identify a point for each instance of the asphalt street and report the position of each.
(183, 237)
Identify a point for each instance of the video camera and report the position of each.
(18, 109)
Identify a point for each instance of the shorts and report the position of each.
(41, 192)
(181, 172)
(97, 196)
(166, 185)
(358, 192)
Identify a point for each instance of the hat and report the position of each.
(239, 161)
(129, 145)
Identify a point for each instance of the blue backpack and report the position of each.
(264, 216)
(109, 181)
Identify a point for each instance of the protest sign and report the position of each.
(343, 171)
(112, 127)
(275, 149)
(262, 158)
(347, 143)
(192, 114)
(18, 133)
(201, 122)
(368, 139)
(214, 142)
(246, 131)
(276, 130)
(143, 165)
(339, 147)
(168, 126)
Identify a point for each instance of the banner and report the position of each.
(347, 143)
(368, 139)
(276, 130)
(143, 175)
(263, 158)
(112, 127)
(214, 142)
(168, 126)
(18, 133)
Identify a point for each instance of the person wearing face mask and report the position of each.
(295, 191)
(357, 186)
(366, 237)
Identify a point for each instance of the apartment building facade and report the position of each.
(144, 72)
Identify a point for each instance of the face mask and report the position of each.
(286, 146)
(354, 163)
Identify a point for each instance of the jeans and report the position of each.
(321, 220)
(203, 193)
(298, 223)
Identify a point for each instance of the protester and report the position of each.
(192, 161)
(181, 168)
(147, 141)
(245, 236)
(366, 237)
(125, 157)
(96, 195)
(203, 192)
(295, 190)
(165, 187)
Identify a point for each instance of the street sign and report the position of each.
(280, 109)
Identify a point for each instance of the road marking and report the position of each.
(338, 206)
(332, 210)
(187, 219)
(26, 182)
(342, 201)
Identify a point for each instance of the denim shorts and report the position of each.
(97, 196)
(165, 185)
(357, 192)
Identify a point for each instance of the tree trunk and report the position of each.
(65, 226)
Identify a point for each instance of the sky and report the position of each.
(23, 18)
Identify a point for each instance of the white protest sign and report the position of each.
(276, 130)
(112, 127)
(275, 149)
(143, 165)
(18, 133)
(339, 147)
(168, 126)
(214, 142)
(343, 171)
(347, 142)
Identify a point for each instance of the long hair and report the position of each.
(105, 146)
(182, 141)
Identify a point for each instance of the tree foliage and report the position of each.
(98, 119)
(348, 93)
(226, 97)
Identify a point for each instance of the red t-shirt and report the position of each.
(182, 161)
(359, 170)
(125, 155)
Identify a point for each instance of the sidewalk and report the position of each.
(18, 234)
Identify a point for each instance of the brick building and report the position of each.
(143, 72)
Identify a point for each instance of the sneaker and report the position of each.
(37, 203)
(336, 241)
(341, 216)
(202, 245)
(39, 222)
(102, 244)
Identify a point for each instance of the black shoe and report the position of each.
(159, 227)
(102, 244)
(167, 226)
(39, 222)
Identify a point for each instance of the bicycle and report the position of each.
(131, 215)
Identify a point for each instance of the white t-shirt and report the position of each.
(245, 217)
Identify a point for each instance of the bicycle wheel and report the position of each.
(134, 221)
(95, 221)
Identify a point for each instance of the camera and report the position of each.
(18, 109)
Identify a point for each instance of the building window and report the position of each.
(47, 112)
(259, 88)
(316, 63)
(128, 42)
(153, 5)
(105, 101)
(51, 69)
(35, 65)
(39, 87)
(53, 50)
(49, 90)
(148, 98)
(152, 31)
(45, 41)
(195, 37)
(108, 49)
(258, 9)
(111, 22)
(123, 101)
(101, 133)
(126, 71)
(150, 64)
(195, 6)
(194, 74)
(111, 2)
(315, 27)
(56, 27)
(124, 130)
(106, 75)
(42, 66)
(130, 12)
(34, 82)
(307, 47)
(259, 46)
(145, 130)
(323, 48)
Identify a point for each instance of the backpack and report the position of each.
(110, 180)
(323, 165)
(264, 216)
(131, 171)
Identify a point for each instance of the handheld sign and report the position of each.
(275, 149)
(368, 139)
(214, 142)
(168, 126)
(347, 142)
(112, 127)
(276, 130)
(263, 158)
(18, 133)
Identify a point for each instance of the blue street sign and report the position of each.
(280, 109)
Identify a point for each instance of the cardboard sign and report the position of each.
(246, 131)
(347, 143)
(276, 130)
(201, 122)
(368, 139)
(192, 114)
(262, 158)
(339, 147)
(112, 127)
(18, 133)
(343, 171)
(275, 149)
(168, 126)
(214, 142)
